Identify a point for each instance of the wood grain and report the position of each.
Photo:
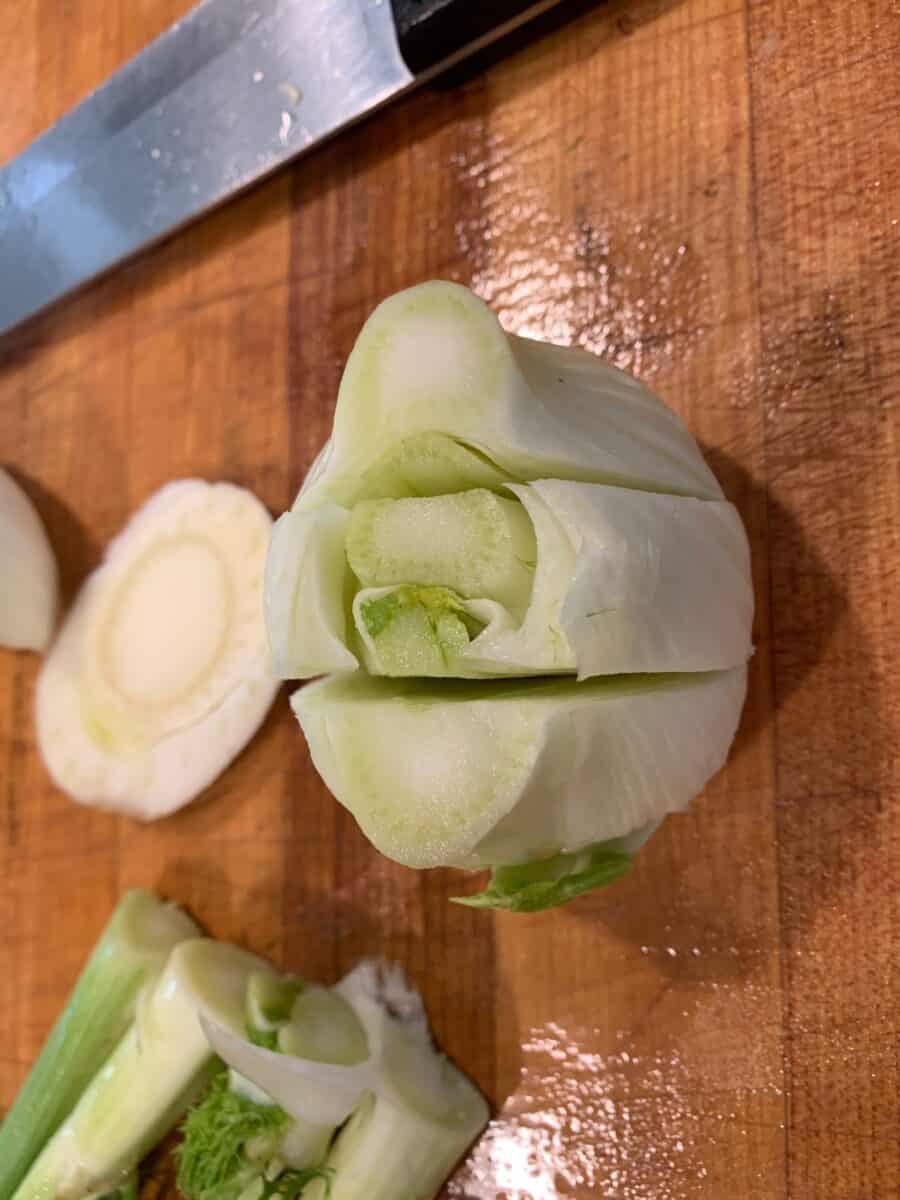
(707, 193)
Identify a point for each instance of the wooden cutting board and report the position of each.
(708, 194)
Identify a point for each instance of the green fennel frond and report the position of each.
(211, 1161)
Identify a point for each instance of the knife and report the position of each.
(221, 99)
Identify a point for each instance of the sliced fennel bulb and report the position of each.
(29, 592)
(491, 508)
(481, 774)
(161, 673)
(446, 470)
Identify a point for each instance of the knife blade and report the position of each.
(220, 100)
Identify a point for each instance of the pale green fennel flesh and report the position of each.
(445, 772)
(517, 509)
(434, 358)
(355, 1061)
(390, 1153)
(418, 630)
(150, 1078)
(129, 956)
(430, 464)
(323, 1028)
(474, 543)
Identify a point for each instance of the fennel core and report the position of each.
(419, 560)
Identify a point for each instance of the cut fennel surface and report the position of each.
(434, 359)
(161, 673)
(485, 774)
(588, 579)
(474, 543)
(553, 566)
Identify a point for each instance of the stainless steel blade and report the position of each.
(221, 99)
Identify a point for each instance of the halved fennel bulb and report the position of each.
(29, 592)
(161, 673)
(479, 774)
(491, 508)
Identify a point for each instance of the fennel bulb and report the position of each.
(530, 597)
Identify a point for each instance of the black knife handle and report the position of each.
(431, 31)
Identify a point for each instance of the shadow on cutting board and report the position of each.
(612, 19)
(721, 885)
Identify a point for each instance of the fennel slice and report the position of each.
(29, 589)
(161, 673)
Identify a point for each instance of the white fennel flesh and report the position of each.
(161, 673)
(29, 580)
